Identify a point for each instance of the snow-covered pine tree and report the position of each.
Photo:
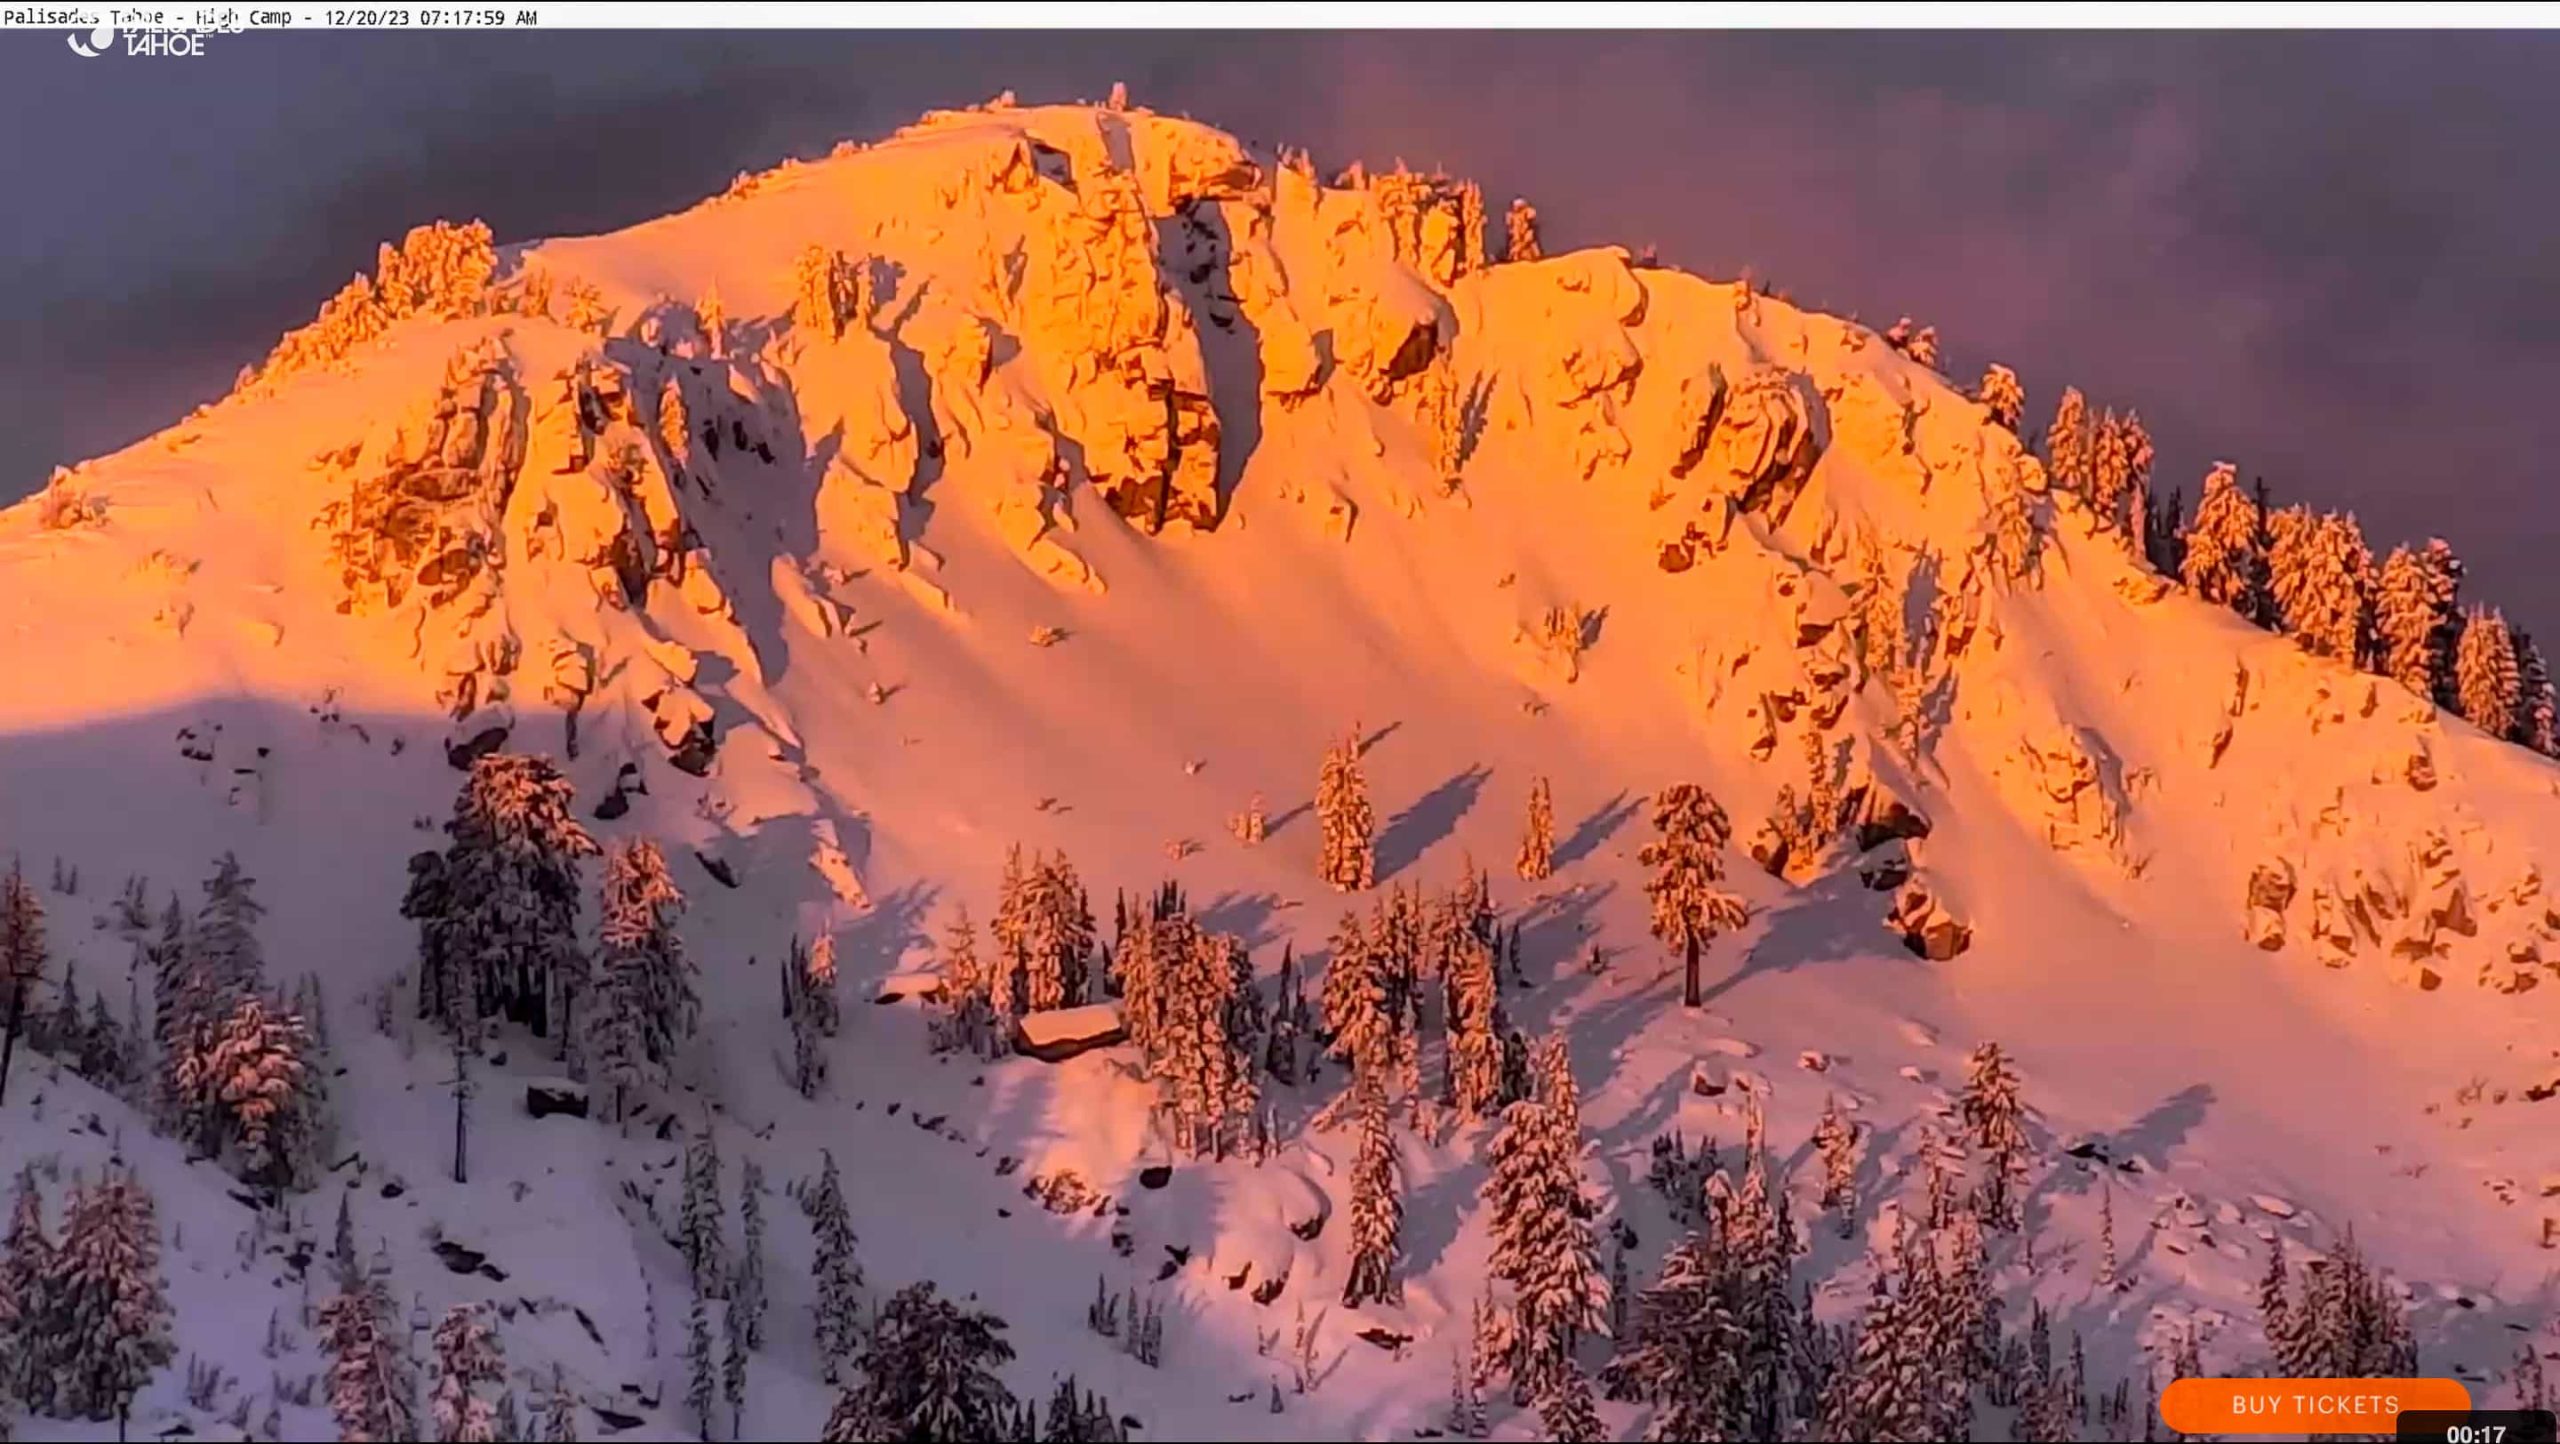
(224, 939)
(1280, 1049)
(747, 1292)
(1565, 1408)
(2226, 561)
(22, 960)
(701, 1368)
(816, 988)
(469, 1365)
(373, 1390)
(2538, 708)
(1542, 1243)
(929, 1372)
(1205, 1074)
(2488, 684)
(2321, 577)
(1879, 1391)
(244, 1079)
(1687, 859)
(1377, 1209)
(2532, 1388)
(26, 1301)
(1520, 231)
(1348, 859)
(2417, 618)
(560, 1416)
(1052, 933)
(110, 1314)
(967, 985)
(498, 916)
(1685, 1352)
(1354, 1000)
(838, 1301)
(701, 1229)
(649, 1007)
(2068, 443)
(2106, 1275)
(2002, 396)
(1995, 1120)
(1475, 1030)
(2110, 490)
(1836, 1140)
(1538, 840)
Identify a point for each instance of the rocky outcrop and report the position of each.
(1925, 925)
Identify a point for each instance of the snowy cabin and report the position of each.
(1057, 1034)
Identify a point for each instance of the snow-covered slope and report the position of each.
(1072, 477)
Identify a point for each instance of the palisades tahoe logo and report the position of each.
(128, 36)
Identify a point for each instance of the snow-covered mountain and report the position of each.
(1074, 477)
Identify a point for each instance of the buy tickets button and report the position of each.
(2303, 1406)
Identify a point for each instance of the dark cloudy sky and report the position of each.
(2329, 258)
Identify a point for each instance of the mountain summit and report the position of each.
(1070, 480)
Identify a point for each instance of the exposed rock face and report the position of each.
(1761, 447)
(2271, 889)
(1925, 925)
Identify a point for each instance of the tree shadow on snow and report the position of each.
(1831, 920)
(1433, 816)
(1588, 834)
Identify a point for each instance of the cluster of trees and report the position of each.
(499, 935)
(2308, 575)
(437, 270)
(229, 1063)
(84, 1317)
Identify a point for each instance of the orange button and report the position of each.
(2302, 1406)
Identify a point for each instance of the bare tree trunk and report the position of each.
(9, 1043)
(1695, 997)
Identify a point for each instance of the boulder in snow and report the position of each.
(544, 1097)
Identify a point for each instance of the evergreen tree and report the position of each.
(1280, 1049)
(747, 1294)
(1994, 1119)
(1360, 1011)
(838, 1305)
(1538, 842)
(1566, 1410)
(224, 940)
(1836, 1140)
(968, 987)
(1206, 1075)
(560, 1420)
(22, 960)
(2416, 619)
(2488, 684)
(468, 1362)
(498, 913)
(26, 1301)
(2068, 443)
(1054, 931)
(1686, 1353)
(372, 1388)
(701, 1228)
(245, 1079)
(816, 983)
(2107, 1239)
(2538, 708)
(2226, 561)
(2321, 577)
(1542, 1241)
(1377, 1210)
(1520, 232)
(649, 1008)
(110, 1315)
(928, 1375)
(2111, 474)
(1343, 819)
(1474, 1028)
(2002, 396)
(702, 1369)
(1687, 858)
